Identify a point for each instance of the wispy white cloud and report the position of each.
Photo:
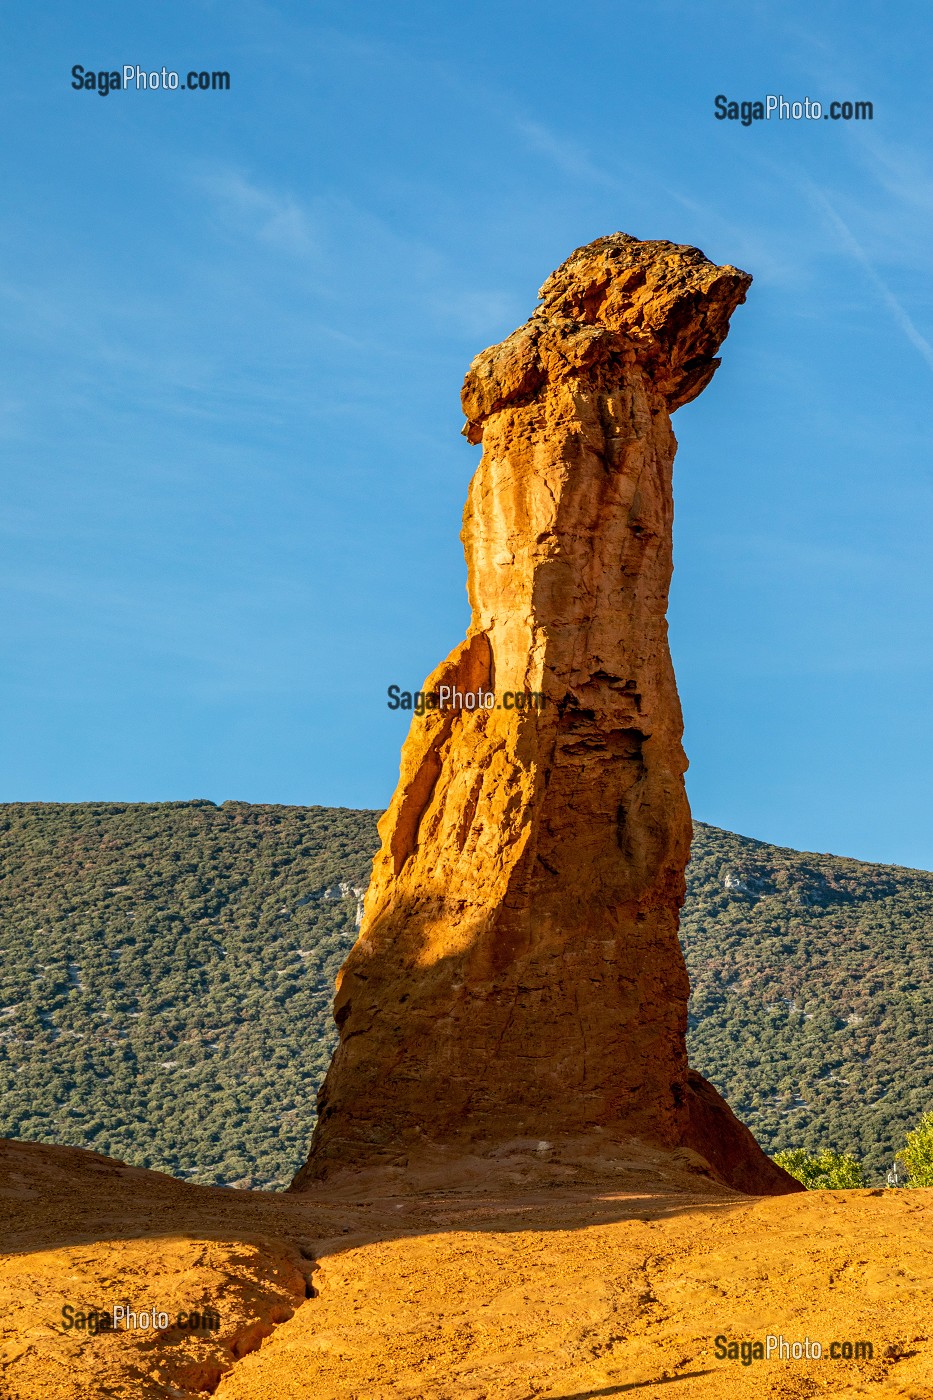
(276, 219)
(747, 244)
(570, 158)
(644, 187)
(476, 312)
(350, 253)
(897, 310)
(903, 172)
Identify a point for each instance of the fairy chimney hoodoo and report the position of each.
(517, 974)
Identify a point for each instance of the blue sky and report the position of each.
(236, 325)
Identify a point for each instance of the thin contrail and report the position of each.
(902, 318)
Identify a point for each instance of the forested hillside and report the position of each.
(166, 974)
(812, 1004)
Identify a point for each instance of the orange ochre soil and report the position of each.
(472, 1281)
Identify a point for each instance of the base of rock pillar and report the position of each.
(731, 1150)
(718, 1151)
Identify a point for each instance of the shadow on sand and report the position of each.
(629, 1385)
(58, 1197)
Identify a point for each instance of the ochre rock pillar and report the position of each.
(518, 973)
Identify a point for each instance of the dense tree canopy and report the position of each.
(166, 973)
(811, 1008)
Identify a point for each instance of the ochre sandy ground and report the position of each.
(470, 1287)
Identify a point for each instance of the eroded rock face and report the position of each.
(518, 974)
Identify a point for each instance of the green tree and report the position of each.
(917, 1156)
(822, 1171)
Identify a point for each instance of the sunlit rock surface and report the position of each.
(517, 976)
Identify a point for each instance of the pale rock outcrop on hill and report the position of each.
(517, 975)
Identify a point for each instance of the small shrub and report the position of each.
(822, 1171)
(917, 1156)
